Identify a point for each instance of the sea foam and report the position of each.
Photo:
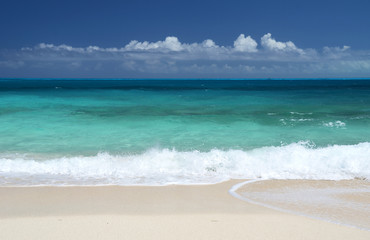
(165, 166)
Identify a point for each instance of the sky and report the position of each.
(184, 39)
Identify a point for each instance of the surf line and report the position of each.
(233, 189)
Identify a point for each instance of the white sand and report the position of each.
(171, 212)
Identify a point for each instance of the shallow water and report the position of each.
(345, 202)
(175, 131)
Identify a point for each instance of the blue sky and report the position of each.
(205, 39)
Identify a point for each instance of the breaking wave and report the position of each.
(165, 166)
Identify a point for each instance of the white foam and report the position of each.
(298, 113)
(337, 124)
(301, 119)
(165, 166)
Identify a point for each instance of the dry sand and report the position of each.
(170, 212)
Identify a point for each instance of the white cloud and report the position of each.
(245, 48)
(244, 58)
(58, 48)
(337, 52)
(270, 43)
(209, 43)
(170, 43)
(67, 48)
(245, 44)
(336, 49)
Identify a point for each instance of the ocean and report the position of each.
(159, 132)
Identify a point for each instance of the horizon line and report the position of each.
(190, 79)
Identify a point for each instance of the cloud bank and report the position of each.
(173, 58)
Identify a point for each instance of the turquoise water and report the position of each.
(61, 120)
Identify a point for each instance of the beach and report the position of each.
(154, 159)
(184, 120)
(152, 212)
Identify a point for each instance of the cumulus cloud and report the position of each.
(245, 44)
(172, 58)
(209, 43)
(170, 43)
(270, 43)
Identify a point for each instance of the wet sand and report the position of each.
(346, 202)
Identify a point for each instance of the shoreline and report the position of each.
(338, 195)
(147, 212)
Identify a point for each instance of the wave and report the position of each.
(336, 124)
(165, 166)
